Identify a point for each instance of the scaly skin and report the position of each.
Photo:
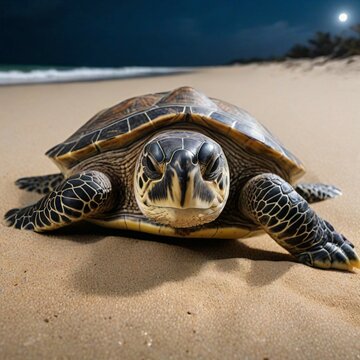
(80, 196)
(272, 203)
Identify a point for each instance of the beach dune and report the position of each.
(87, 292)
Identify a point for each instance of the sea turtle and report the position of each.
(179, 163)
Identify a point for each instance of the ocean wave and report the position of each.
(81, 74)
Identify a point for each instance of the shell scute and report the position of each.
(120, 127)
(66, 148)
(138, 120)
(165, 110)
(223, 118)
(186, 95)
(86, 140)
(201, 110)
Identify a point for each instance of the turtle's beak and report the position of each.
(187, 189)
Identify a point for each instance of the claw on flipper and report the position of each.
(331, 256)
(355, 263)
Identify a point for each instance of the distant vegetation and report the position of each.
(325, 44)
(321, 44)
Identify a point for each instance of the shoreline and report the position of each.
(83, 74)
(77, 75)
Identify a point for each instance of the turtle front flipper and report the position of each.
(40, 184)
(272, 203)
(80, 196)
(317, 192)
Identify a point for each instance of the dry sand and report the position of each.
(88, 293)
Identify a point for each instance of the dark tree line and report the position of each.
(326, 44)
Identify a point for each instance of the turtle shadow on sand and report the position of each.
(126, 264)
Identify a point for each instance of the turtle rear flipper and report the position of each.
(79, 197)
(317, 192)
(40, 184)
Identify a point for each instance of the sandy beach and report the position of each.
(85, 292)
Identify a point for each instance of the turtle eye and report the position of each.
(155, 151)
(151, 168)
(212, 169)
(206, 153)
(209, 160)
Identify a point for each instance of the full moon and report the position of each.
(343, 17)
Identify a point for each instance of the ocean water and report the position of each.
(31, 75)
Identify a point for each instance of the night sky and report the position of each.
(160, 33)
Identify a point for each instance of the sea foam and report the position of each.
(81, 74)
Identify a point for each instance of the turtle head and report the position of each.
(181, 179)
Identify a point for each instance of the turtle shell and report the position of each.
(126, 122)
